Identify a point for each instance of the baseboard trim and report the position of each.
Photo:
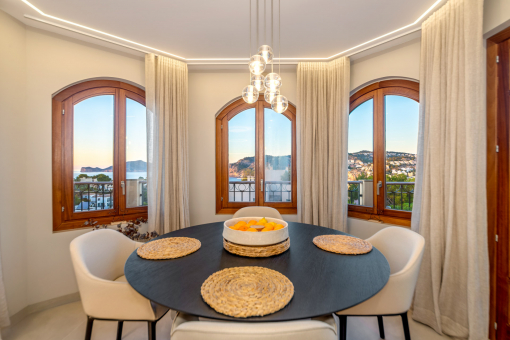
(39, 307)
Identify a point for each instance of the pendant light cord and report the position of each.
(265, 25)
(279, 39)
(272, 32)
(249, 48)
(258, 23)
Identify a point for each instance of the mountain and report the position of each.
(92, 169)
(131, 166)
(245, 166)
(136, 166)
(242, 168)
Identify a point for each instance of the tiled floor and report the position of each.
(68, 323)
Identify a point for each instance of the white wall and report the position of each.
(399, 61)
(13, 161)
(54, 62)
(496, 15)
(208, 93)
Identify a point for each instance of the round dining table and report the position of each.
(324, 282)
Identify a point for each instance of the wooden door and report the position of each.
(498, 181)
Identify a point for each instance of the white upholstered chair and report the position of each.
(258, 212)
(98, 259)
(403, 249)
(189, 327)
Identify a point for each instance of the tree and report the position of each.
(285, 176)
(102, 178)
(80, 176)
(364, 176)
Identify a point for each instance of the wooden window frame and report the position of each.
(64, 217)
(222, 178)
(377, 92)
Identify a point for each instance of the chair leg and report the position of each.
(405, 323)
(342, 335)
(88, 331)
(152, 330)
(381, 326)
(119, 330)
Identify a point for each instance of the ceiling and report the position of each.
(209, 29)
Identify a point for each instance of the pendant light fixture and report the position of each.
(271, 82)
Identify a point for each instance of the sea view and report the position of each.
(129, 175)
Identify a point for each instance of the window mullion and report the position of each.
(379, 152)
(259, 158)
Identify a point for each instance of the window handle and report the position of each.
(123, 185)
(379, 185)
(261, 185)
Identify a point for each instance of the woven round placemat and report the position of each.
(342, 244)
(256, 251)
(168, 248)
(242, 292)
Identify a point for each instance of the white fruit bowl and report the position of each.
(248, 238)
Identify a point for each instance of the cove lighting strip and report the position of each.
(238, 60)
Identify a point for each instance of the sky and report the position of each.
(401, 125)
(93, 132)
(241, 135)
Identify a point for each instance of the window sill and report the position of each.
(404, 222)
(231, 211)
(78, 224)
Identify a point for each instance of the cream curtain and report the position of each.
(452, 294)
(166, 82)
(4, 313)
(322, 120)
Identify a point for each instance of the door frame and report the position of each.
(497, 214)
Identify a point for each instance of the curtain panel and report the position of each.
(322, 120)
(450, 208)
(166, 82)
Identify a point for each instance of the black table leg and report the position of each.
(381, 326)
(343, 327)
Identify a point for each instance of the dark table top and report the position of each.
(323, 282)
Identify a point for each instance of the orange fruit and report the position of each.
(244, 228)
(273, 224)
(268, 226)
(262, 221)
(252, 229)
(265, 229)
(252, 222)
(278, 227)
(241, 223)
(235, 227)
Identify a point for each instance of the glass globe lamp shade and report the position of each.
(266, 52)
(257, 64)
(280, 104)
(250, 94)
(258, 82)
(273, 81)
(270, 95)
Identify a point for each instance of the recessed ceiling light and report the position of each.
(227, 59)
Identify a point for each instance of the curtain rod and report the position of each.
(294, 62)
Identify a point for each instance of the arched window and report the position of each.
(255, 157)
(99, 154)
(382, 146)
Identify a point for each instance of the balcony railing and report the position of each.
(355, 192)
(245, 191)
(399, 195)
(89, 196)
